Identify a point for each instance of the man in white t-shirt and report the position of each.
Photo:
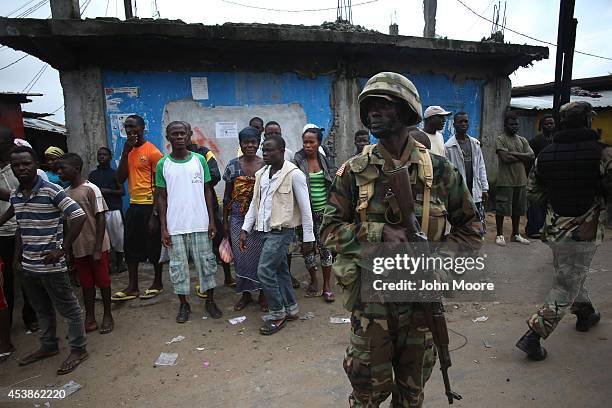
(435, 118)
(185, 199)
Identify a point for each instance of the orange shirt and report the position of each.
(142, 161)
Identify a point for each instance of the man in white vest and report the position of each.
(280, 203)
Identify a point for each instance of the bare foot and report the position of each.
(91, 325)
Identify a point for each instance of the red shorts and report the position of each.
(93, 272)
(3, 305)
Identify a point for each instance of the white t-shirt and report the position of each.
(184, 182)
(437, 143)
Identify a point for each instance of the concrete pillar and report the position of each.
(496, 99)
(65, 9)
(84, 109)
(346, 116)
(429, 14)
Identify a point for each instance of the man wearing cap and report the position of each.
(572, 177)
(390, 350)
(435, 118)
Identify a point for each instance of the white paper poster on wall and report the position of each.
(199, 88)
(117, 120)
(226, 130)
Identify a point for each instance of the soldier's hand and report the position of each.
(393, 233)
(485, 196)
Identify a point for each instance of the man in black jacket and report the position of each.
(572, 177)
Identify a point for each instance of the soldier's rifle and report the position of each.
(401, 197)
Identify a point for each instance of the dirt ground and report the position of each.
(301, 366)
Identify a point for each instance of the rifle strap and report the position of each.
(366, 191)
(426, 172)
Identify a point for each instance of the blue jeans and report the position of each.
(49, 292)
(273, 273)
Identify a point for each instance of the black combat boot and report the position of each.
(587, 317)
(530, 344)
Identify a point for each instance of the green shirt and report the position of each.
(318, 196)
(511, 174)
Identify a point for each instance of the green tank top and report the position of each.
(318, 196)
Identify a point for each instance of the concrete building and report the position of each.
(533, 101)
(217, 77)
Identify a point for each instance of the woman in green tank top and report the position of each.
(319, 171)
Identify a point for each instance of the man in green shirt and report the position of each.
(513, 152)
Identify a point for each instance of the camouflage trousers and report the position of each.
(391, 351)
(571, 263)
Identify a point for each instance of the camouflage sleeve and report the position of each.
(606, 172)
(461, 211)
(536, 193)
(341, 229)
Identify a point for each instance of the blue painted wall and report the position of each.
(156, 89)
(455, 97)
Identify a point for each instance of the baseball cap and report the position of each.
(21, 142)
(311, 126)
(435, 110)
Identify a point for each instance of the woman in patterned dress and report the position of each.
(239, 177)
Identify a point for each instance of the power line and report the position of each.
(14, 62)
(32, 9)
(294, 11)
(84, 7)
(61, 106)
(36, 78)
(528, 36)
(106, 10)
(19, 8)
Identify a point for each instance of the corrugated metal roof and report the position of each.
(42, 124)
(545, 102)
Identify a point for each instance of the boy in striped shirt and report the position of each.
(40, 208)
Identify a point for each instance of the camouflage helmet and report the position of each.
(391, 84)
(576, 112)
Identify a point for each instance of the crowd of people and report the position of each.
(274, 200)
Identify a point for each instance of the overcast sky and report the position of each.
(535, 18)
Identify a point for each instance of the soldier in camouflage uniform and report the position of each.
(391, 350)
(572, 177)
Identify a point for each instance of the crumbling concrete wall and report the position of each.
(345, 108)
(85, 116)
(496, 99)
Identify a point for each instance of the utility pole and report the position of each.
(429, 14)
(65, 9)
(127, 4)
(566, 40)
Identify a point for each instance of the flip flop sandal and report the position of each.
(30, 359)
(5, 356)
(200, 294)
(270, 328)
(106, 330)
(72, 365)
(151, 293)
(312, 293)
(329, 297)
(121, 296)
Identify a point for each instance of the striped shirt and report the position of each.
(318, 192)
(40, 219)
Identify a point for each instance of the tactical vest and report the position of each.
(570, 169)
(424, 174)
